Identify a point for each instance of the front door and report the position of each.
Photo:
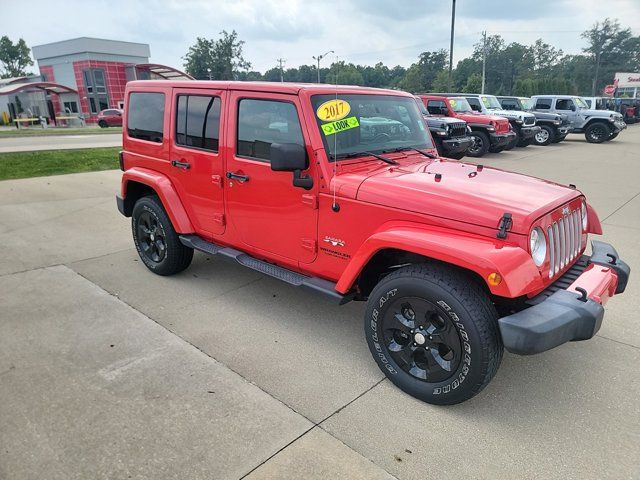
(197, 164)
(267, 212)
(567, 107)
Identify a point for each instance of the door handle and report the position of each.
(185, 165)
(238, 177)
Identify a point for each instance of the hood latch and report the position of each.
(504, 225)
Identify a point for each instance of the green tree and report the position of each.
(14, 58)
(219, 59)
(344, 74)
(474, 84)
(607, 42)
(441, 82)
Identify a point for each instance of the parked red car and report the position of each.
(491, 133)
(339, 189)
(110, 117)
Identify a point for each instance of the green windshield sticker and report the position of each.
(340, 125)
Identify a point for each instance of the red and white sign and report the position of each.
(609, 90)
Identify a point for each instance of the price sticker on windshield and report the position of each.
(340, 126)
(333, 110)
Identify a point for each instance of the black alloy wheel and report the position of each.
(480, 144)
(151, 237)
(597, 132)
(422, 339)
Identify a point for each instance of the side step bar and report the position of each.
(296, 279)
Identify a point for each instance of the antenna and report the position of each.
(334, 206)
(281, 62)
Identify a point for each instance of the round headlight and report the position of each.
(537, 246)
(583, 211)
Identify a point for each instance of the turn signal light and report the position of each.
(494, 279)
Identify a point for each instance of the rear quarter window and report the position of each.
(145, 119)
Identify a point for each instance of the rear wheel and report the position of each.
(156, 240)
(480, 145)
(545, 136)
(434, 333)
(597, 132)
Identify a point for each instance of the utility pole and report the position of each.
(484, 58)
(281, 62)
(320, 57)
(453, 23)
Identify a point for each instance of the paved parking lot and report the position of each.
(107, 371)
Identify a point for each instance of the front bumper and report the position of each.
(619, 126)
(529, 132)
(501, 139)
(456, 145)
(570, 314)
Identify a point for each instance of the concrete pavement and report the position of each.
(60, 142)
(220, 372)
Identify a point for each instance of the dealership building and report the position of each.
(79, 77)
(627, 85)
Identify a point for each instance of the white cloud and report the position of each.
(360, 31)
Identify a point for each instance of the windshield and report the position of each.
(527, 104)
(421, 107)
(356, 123)
(580, 102)
(491, 102)
(460, 105)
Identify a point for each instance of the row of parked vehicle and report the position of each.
(474, 124)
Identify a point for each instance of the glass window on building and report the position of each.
(95, 83)
(71, 107)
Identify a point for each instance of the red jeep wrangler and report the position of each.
(338, 189)
(491, 133)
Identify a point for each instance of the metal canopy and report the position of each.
(46, 86)
(163, 71)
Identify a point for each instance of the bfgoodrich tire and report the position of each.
(433, 331)
(156, 240)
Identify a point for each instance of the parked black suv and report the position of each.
(450, 135)
(553, 127)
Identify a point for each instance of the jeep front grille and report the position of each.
(565, 241)
(529, 120)
(458, 129)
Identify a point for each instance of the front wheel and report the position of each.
(597, 132)
(156, 240)
(480, 145)
(545, 136)
(613, 135)
(433, 331)
(102, 124)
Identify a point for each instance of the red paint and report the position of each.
(599, 282)
(381, 207)
(501, 124)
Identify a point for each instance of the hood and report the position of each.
(465, 193)
(590, 112)
(485, 116)
(511, 113)
(440, 122)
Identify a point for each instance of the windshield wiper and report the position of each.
(362, 154)
(404, 149)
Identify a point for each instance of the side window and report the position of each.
(145, 120)
(588, 102)
(564, 104)
(508, 104)
(543, 104)
(437, 107)
(263, 122)
(475, 104)
(198, 122)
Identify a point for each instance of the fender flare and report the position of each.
(479, 254)
(168, 196)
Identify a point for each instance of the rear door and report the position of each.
(266, 210)
(195, 157)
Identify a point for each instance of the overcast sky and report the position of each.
(359, 31)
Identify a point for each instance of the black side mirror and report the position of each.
(291, 157)
(572, 108)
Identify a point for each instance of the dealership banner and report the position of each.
(624, 80)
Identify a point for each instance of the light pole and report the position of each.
(209, 72)
(453, 23)
(320, 57)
